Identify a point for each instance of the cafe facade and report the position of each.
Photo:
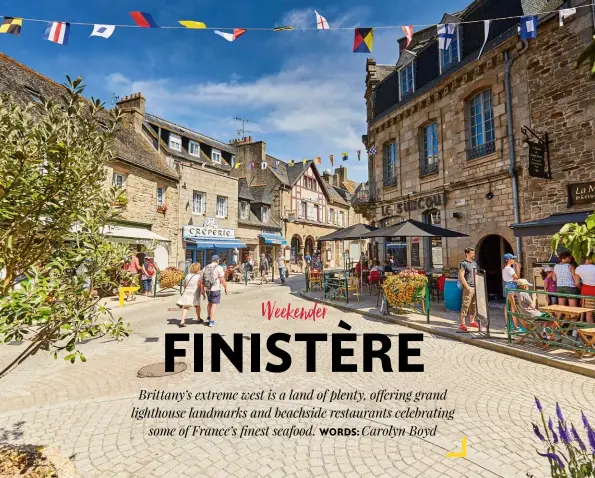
(204, 241)
(443, 141)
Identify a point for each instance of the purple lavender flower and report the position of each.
(538, 432)
(550, 425)
(554, 457)
(578, 438)
(563, 433)
(559, 413)
(591, 437)
(538, 403)
(585, 421)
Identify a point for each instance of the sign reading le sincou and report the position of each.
(582, 193)
(426, 202)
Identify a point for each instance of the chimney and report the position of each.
(327, 177)
(340, 176)
(133, 107)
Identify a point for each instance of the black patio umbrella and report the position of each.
(352, 232)
(412, 228)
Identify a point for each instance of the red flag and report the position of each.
(408, 31)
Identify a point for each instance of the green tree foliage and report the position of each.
(53, 210)
(589, 54)
(578, 239)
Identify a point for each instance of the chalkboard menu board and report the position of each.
(415, 262)
(537, 166)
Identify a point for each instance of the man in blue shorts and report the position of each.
(213, 278)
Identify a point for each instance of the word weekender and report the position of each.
(374, 346)
(299, 313)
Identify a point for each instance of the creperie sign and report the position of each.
(207, 232)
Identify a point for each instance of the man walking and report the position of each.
(467, 277)
(281, 266)
(212, 279)
(264, 269)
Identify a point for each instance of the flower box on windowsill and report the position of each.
(118, 204)
(162, 209)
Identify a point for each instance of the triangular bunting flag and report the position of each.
(143, 20)
(321, 23)
(318, 160)
(11, 26)
(446, 34)
(359, 155)
(276, 164)
(486, 34)
(192, 24)
(291, 162)
(372, 151)
(529, 27)
(565, 13)
(58, 32)
(408, 31)
(304, 161)
(238, 164)
(237, 32)
(331, 158)
(282, 29)
(364, 40)
(345, 156)
(103, 31)
(263, 165)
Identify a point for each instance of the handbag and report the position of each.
(181, 295)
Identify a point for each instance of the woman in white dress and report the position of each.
(192, 293)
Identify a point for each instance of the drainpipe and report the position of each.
(509, 60)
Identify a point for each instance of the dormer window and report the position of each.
(175, 142)
(406, 80)
(216, 156)
(450, 56)
(194, 148)
(265, 213)
(244, 210)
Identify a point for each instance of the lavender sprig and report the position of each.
(578, 438)
(537, 432)
(555, 458)
(550, 425)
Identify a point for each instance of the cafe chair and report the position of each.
(315, 278)
(352, 286)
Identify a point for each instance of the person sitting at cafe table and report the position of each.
(388, 267)
(584, 278)
(377, 267)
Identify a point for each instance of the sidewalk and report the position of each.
(445, 324)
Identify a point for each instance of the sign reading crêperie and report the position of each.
(210, 229)
(581, 193)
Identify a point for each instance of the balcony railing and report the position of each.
(390, 180)
(428, 168)
(481, 150)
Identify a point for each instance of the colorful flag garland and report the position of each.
(364, 40)
(237, 32)
(321, 23)
(12, 26)
(143, 20)
(283, 29)
(103, 31)
(529, 27)
(408, 31)
(192, 24)
(58, 32)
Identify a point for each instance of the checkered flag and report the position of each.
(372, 151)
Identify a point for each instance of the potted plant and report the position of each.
(161, 208)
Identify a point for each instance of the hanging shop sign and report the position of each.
(423, 203)
(581, 193)
(539, 154)
(209, 229)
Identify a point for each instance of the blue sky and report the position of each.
(304, 89)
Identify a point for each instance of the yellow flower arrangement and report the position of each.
(401, 289)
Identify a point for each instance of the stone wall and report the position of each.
(213, 184)
(141, 189)
(562, 104)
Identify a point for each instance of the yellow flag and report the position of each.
(238, 165)
(192, 24)
(304, 161)
(291, 162)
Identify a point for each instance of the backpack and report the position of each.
(150, 269)
(209, 276)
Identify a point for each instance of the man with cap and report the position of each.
(212, 279)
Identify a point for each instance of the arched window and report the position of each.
(482, 135)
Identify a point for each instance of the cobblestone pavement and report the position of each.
(85, 409)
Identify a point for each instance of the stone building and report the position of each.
(443, 122)
(303, 204)
(136, 167)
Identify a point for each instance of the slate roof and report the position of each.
(382, 71)
(294, 173)
(244, 190)
(262, 194)
(350, 185)
(332, 194)
(22, 83)
(280, 172)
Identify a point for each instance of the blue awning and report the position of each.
(209, 243)
(273, 239)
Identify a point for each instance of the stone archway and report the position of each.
(309, 246)
(296, 248)
(489, 254)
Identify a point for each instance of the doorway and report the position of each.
(491, 250)
(309, 246)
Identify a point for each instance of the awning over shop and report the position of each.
(549, 225)
(132, 234)
(273, 239)
(210, 243)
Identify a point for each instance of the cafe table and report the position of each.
(573, 313)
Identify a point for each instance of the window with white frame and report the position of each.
(406, 80)
(221, 206)
(450, 56)
(429, 149)
(160, 196)
(118, 180)
(265, 213)
(482, 136)
(175, 142)
(390, 164)
(199, 202)
(194, 148)
(315, 213)
(329, 214)
(341, 218)
(216, 156)
(244, 210)
(303, 209)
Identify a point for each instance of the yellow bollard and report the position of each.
(123, 290)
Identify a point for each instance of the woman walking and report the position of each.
(192, 293)
(264, 269)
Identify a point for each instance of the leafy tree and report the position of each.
(589, 54)
(578, 239)
(53, 210)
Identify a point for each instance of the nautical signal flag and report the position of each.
(238, 164)
(263, 165)
(359, 155)
(12, 26)
(565, 13)
(304, 161)
(192, 24)
(58, 32)
(446, 34)
(103, 31)
(364, 40)
(143, 20)
(237, 32)
(321, 23)
(282, 29)
(345, 156)
(408, 31)
(529, 27)
(291, 162)
(372, 151)
(318, 160)
(332, 159)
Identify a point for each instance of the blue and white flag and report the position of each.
(58, 32)
(446, 34)
(103, 31)
(529, 27)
